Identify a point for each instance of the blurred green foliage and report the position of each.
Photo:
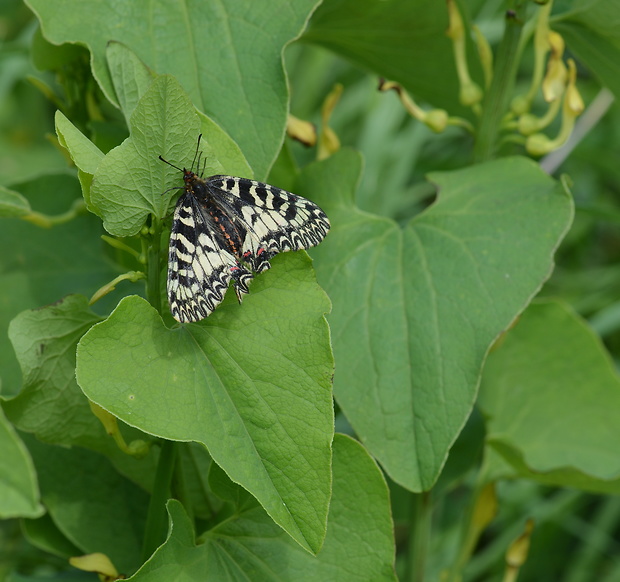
(576, 532)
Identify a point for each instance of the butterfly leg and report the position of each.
(240, 277)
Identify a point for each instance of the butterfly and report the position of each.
(226, 228)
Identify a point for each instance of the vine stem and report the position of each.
(153, 266)
(156, 520)
(155, 531)
(496, 100)
(419, 535)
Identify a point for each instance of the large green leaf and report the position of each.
(249, 546)
(416, 309)
(226, 55)
(252, 383)
(552, 397)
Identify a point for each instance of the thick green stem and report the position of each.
(156, 520)
(153, 289)
(419, 537)
(497, 97)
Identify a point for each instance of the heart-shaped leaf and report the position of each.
(251, 382)
(416, 309)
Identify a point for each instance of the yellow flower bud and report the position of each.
(437, 119)
(574, 102)
(302, 131)
(539, 144)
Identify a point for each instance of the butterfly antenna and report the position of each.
(167, 162)
(197, 150)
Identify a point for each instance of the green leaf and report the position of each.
(131, 179)
(12, 204)
(84, 153)
(19, 494)
(251, 382)
(226, 490)
(43, 534)
(130, 76)
(197, 464)
(228, 56)
(416, 309)
(51, 404)
(93, 506)
(590, 30)
(249, 546)
(49, 57)
(552, 394)
(16, 297)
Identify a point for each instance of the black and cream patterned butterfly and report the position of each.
(225, 228)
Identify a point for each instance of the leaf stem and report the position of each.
(46, 221)
(179, 484)
(419, 536)
(155, 531)
(153, 266)
(496, 100)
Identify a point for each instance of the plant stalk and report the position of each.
(156, 526)
(497, 97)
(419, 536)
(153, 267)
(156, 521)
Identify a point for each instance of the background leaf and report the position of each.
(251, 382)
(416, 309)
(44, 534)
(12, 204)
(19, 493)
(96, 508)
(43, 264)
(50, 404)
(557, 374)
(358, 544)
(130, 76)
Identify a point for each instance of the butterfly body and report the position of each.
(225, 228)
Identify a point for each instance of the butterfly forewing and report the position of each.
(275, 219)
(223, 228)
